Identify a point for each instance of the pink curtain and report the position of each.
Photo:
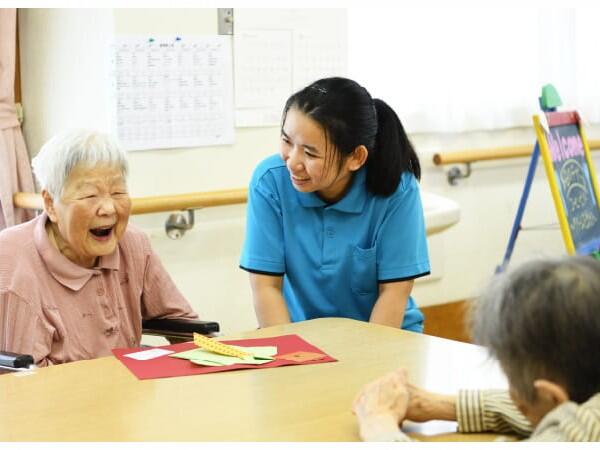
(15, 168)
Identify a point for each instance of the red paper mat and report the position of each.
(167, 366)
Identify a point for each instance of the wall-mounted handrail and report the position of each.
(161, 203)
(193, 200)
(197, 200)
(486, 154)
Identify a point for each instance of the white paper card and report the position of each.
(148, 354)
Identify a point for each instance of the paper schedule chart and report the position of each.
(279, 51)
(171, 91)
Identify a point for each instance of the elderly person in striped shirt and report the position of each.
(541, 323)
(76, 281)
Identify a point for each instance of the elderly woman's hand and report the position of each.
(425, 405)
(381, 405)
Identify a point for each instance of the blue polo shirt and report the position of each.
(332, 257)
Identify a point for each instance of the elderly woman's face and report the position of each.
(92, 214)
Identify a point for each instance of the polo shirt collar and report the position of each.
(65, 271)
(352, 202)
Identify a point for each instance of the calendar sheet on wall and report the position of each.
(278, 51)
(172, 91)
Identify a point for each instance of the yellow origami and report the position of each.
(218, 347)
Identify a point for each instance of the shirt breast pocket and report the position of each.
(364, 270)
(55, 321)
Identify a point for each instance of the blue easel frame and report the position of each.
(535, 156)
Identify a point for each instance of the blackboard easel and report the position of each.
(570, 171)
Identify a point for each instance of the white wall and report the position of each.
(63, 69)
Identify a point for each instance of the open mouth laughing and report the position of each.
(102, 233)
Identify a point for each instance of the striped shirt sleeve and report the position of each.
(489, 410)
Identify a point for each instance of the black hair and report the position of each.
(350, 117)
(541, 321)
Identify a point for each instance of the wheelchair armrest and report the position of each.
(178, 328)
(11, 360)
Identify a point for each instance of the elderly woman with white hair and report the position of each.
(76, 281)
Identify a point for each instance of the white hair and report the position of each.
(57, 157)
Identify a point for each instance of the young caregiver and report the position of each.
(335, 224)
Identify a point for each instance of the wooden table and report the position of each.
(100, 400)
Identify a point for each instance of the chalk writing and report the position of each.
(575, 185)
(564, 147)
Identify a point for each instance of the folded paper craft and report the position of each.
(221, 348)
(255, 355)
(288, 346)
